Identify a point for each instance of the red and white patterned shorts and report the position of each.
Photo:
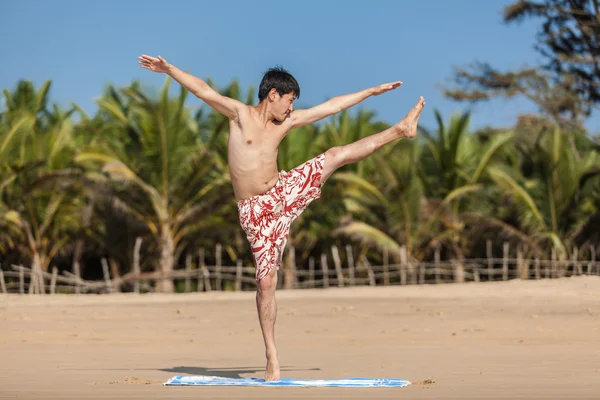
(266, 218)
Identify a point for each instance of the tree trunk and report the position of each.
(167, 260)
(86, 217)
(459, 266)
(115, 272)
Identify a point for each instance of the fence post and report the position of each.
(436, 260)
(218, 254)
(386, 267)
(592, 258)
(77, 273)
(238, 275)
(553, 272)
(505, 261)
(311, 272)
(205, 271)
(523, 272)
(294, 269)
(2, 283)
(490, 262)
(367, 264)
(188, 273)
(289, 270)
(577, 265)
(136, 264)
(338, 265)
(53, 280)
(403, 265)
(106, 274)
(537, 268)
(325, 269)
(421, 267)
(21, 280)
(351, 272)
(476, 276)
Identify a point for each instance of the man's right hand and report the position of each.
(154, 64)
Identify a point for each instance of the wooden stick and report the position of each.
(116, 275)
(289, 270)
(77, 273)
(188, 268)
(490, 263)
(53, 280)
(520, 266)
(106, 274)
(294, 270)
(412, 268)
(136, 263)
(32, 280)
(325, 269)
(21, 280)
(386, 267)
(367, 264)
(238, 275)
(218, 283)
(200, 277)
(2, 283)
(593, 259)
(403, 265)
(577, 265)
(553, 263)
(351, 270)
(311, 272)
(205, 271)
(505, 261)
(338, 265)
(436, 257)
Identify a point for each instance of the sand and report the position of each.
(505, 340)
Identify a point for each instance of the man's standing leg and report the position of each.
(267, 314)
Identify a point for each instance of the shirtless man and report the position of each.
(269, 200)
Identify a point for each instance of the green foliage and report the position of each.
(147, 166)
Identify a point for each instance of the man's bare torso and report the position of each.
(252, 154)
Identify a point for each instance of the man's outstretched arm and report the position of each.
(225, 105)
(337, 104)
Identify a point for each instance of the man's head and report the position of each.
(280, 89)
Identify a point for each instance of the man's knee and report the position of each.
(335, 156)
(268, 283)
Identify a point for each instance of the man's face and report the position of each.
(283, 106)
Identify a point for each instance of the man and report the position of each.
(268, 200)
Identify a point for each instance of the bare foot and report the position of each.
(272, 370)
(407, 128)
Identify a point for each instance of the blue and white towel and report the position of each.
(220, 381)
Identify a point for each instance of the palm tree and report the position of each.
(35, 142)
(551, 192)
(158, 170)
(419, 196)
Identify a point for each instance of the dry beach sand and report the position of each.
(504, 340)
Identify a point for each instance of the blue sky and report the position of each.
(331, 47)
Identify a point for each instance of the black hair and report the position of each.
(279, 79)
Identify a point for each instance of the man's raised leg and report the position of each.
(337, 157)
(267, 314)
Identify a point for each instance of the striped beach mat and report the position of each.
(201, 380)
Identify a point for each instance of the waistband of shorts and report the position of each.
(242, 202)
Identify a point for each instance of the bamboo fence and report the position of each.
(339, 268)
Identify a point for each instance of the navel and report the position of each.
(249, 141)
